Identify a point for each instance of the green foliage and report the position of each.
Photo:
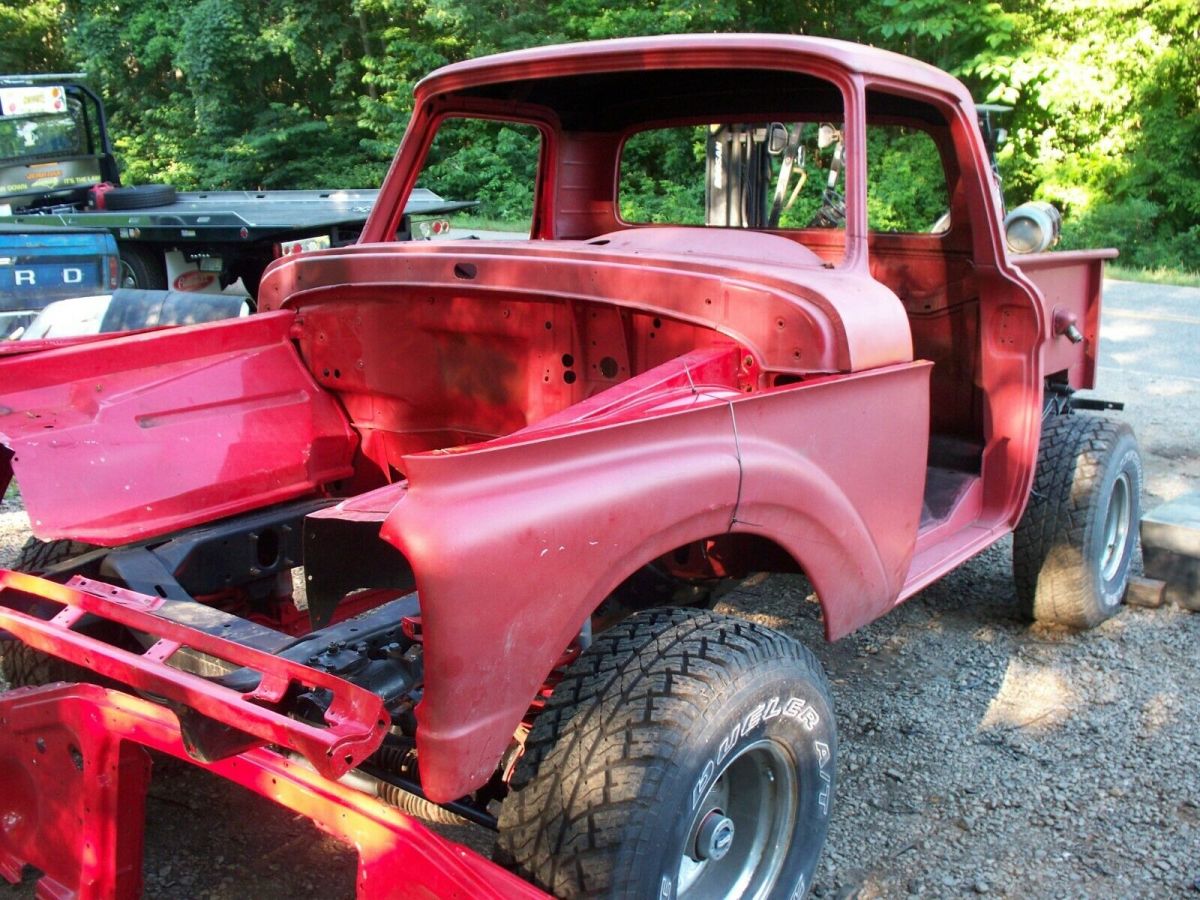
(662, 177)
(486, 161)
(33, 31)
(234, 94)
(906, 186)
(295, 93)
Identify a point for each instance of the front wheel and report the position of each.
(684, 754)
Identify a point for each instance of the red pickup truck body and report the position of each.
(531, 422)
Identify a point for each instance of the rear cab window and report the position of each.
(765, 175)
(492, 162)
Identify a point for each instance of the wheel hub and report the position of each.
(754, 796)
(716, 836)
(1117, 528)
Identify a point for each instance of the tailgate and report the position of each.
(129, 438)
(41, 265)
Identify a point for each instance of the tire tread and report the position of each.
(1051, 577)
(20, 664)
(598, 744)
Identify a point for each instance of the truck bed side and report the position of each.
(1070, 285)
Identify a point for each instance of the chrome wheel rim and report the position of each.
(740, 832)
(1118, 526)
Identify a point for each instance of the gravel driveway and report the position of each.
(978, 755)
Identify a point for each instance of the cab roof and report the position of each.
(767, 53)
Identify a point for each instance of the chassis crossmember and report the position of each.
(72, 756)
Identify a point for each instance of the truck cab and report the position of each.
(54, 143)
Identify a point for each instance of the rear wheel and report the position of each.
(142, 268)
(1074, 548)
(684, 754)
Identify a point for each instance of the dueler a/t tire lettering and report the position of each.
(684, 754)
(1074, 547)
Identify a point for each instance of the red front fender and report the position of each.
(124, 439)
(514, 543)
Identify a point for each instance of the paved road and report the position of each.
(1150, 360)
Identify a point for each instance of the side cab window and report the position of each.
(912, 175)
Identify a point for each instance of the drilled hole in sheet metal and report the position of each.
(569, 377)
(466, 271)
(609, 367)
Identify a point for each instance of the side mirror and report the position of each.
(827, 135)
(777, 138)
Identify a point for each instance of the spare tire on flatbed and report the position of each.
(139, 196)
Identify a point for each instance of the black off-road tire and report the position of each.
(36, 557)
(140, 196)
(20, 664)
(672, 726)
(1074, 547)
(142, 268)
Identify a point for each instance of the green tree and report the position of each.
(33, 42)
(295, 93)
